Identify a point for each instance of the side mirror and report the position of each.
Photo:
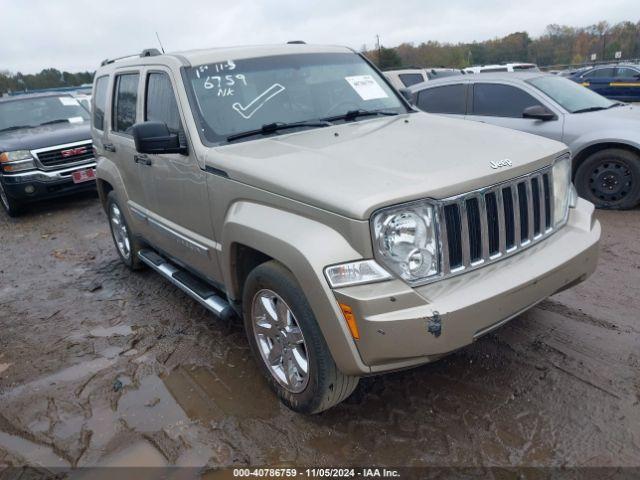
(406, 93)
(155, 138)
(538, 112)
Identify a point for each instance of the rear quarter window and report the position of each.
(450, 99)
(100, 102)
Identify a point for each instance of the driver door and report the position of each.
(175, 186)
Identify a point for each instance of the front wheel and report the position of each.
(286, 340)
(125, 241)
(610, 178)
(11, 206)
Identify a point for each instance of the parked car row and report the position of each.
(618, 81)
(603, 135)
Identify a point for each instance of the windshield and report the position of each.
(36, 111)
(570, 95)
(240, 95)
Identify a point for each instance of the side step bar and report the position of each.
(188, 283)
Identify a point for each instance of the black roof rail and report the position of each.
(147, 52)
(296, 42)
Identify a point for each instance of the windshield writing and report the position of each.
(240, 95)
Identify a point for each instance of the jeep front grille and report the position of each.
(64, 155)
(489, 224)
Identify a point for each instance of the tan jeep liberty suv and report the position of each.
(293, 187)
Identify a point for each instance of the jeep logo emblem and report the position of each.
(501, 163)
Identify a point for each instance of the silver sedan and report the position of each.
(603, 135)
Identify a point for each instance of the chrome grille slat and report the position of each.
(444, 243)
(464, 221)
(501, 228)
(541, 210)
(529, 209)
(484, 226)
(468, 234)
(515, 198)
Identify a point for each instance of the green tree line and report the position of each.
(47, 78)
(559, 45)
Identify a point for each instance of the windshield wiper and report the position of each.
(59, 120)
(617, 104)
(589, 109)
(16, 127)
(269, 128)
(353, 114)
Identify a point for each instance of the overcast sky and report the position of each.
(76, 35)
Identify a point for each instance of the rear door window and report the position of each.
(160, 104)
(125, 102)
(450, 99)
(100, 102)
(496, 100)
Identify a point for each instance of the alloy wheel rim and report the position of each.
(280, 340)
(611, 181)
(120, 232)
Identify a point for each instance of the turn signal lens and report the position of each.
(351, 320)
(355, 273)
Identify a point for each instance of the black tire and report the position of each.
(326, 385)
(610, 178)
(131, 260)
(10, 205)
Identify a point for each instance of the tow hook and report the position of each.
(434, 325)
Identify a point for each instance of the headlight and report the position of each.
(355, 273)
(405, 240)
(562, 189)
(16, 161)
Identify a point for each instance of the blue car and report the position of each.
(618, 82)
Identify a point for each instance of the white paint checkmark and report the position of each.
(248, 111)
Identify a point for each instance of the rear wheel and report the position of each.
(610, 178)
(287, 342)
(11, 206)
(125, 241)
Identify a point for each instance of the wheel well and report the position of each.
(591, 149)
(104, 188)
(244, 260)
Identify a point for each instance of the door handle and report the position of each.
(142, 159)
(109, 147)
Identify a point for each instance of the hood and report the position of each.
(45, 136)
(355, 168)
(622, 114)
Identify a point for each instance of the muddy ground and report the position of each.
(100, 366)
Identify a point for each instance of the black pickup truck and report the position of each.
(45, 149)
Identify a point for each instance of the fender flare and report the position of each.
(305, 247)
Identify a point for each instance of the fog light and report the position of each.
(29, 189)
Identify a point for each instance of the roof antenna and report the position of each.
(158, 37)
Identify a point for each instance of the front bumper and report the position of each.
(395, 320)
(46, 184)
